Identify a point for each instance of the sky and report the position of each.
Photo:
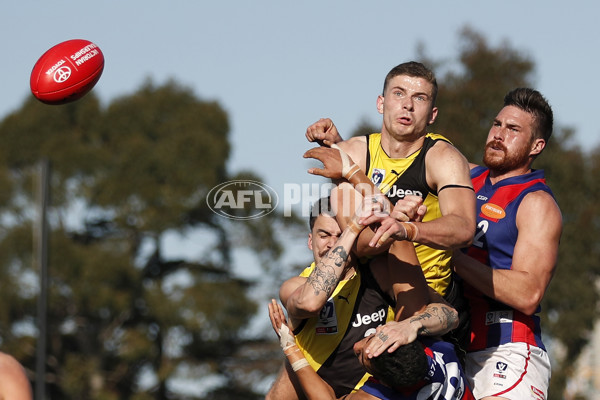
(278, 66)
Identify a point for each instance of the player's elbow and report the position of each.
(312, 308)
(452, 318)
(463, 237)
(466, 240)
(307, 307)
(531, 302)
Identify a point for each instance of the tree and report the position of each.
(125, 322)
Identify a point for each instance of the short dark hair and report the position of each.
(321, 206)
(416, 70)
(532, 102)
(404, 367)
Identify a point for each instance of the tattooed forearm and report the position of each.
(436, 319)
(423, 318)
(324, 277)
(337, 256)
(451, 317)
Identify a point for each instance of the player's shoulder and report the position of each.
(442, 145)
(538, 204)
(445, 157)
(356, 148)
(7, 361)
(11, 370)
(355, 141)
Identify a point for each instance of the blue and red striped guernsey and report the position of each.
(494, 323)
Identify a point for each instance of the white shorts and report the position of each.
(513, 371)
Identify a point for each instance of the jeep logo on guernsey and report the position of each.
(378, 316)
(242, 199)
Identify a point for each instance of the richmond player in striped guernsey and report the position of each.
(406, 161)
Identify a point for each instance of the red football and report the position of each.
(66, 71)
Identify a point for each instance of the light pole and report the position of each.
(42, 258)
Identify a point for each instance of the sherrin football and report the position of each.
(67, 71)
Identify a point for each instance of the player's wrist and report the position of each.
(417, 327)
(411, 231)
(351, 172)
(354, 227)
(296, 358)
(290, 350)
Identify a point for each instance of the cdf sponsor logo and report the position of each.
(242, 199)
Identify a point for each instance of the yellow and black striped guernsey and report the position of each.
(398, 177)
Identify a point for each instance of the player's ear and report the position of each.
(432, 116)
(380, 104)
(537, 146)
(310, 241)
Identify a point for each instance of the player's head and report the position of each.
(321, 206)
(402, 368)
(519, 133)
(324, 229)
(532, 102)
(415, 70)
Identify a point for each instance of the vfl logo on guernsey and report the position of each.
(377, 175)
(242, 200)
(493, 211)
(327, 322)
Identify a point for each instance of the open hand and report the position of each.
(391, 336)
(280, 325)
(331, 159)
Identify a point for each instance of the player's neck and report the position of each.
(403, 147)
(497, 176)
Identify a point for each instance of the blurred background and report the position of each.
(153, 296)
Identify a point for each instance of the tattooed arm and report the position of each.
(304, 297)
(435, 320)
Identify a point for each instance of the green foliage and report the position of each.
(470, 98)
(118, 311)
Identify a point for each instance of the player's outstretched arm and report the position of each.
(312, 384)
(419, 309)
(435, 320)
(304, 298)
